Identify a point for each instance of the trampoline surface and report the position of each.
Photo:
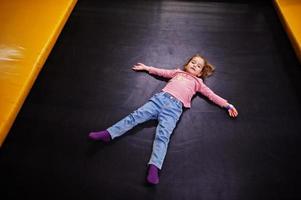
(87, 84)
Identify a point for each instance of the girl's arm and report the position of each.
(217, 99)
(166, 73)
(206, 91)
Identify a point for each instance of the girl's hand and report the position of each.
(139, 67)
(232, 110)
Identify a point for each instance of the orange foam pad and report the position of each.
(29, 30)
(290, 14)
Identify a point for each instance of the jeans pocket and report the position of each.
(178, 110)
(179, 105)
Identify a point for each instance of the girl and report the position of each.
(166, 106)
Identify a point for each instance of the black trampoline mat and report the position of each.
(87, 84)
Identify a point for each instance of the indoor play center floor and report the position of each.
(87, 84)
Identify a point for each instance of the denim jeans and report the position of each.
(162, 106)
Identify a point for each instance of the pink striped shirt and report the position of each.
(183, 86)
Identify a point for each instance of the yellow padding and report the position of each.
(290, 13)
(28, 32)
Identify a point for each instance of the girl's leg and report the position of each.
(168, 118)
(167, 122)
(163, 133)
(146, 112)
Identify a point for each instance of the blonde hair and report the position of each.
(207, 70)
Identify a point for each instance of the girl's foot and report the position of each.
(101, 135)
(153, 176)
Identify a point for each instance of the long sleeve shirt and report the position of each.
(183, 86)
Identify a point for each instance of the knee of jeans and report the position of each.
(144, 114)
(165, 128)
(168, 124)
(138, 116)
(133, 117)
(162, 137)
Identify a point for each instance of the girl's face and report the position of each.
(195, 66)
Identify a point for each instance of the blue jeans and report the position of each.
(162, 106)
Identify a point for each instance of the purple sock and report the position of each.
(101, 135)
(153, 176)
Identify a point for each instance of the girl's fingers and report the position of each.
(142, 65)
(135, 67)
(233, 113)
